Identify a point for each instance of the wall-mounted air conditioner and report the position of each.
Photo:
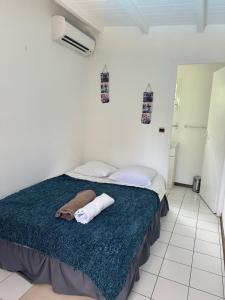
(70, 36)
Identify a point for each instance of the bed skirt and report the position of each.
(39, 268)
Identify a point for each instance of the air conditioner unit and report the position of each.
(68, 35)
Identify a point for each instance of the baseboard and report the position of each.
(183, 184)
(222, 236)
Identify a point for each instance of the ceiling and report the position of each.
(147, 13)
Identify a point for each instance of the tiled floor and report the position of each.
(186, 262)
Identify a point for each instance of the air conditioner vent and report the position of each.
(66, 34)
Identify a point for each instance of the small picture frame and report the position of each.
(104, 97)
(104, 87)
(148, 97)
(105, 77)
(147, 107)
(146, 118)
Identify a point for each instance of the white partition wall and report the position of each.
(213, 162)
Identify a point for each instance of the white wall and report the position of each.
(212, 170)
(195, 91)
(114, 132)
(221, 204)
(42, 91)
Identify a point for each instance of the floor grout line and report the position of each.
(193, 248)
(190, 287)
(167, 247)
(186, 266)
(196, 228)
(138, 294)
(222, 264)
(1, 281)
(179, 283)
(214, 243)
(200, 220)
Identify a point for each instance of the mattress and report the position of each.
(158, 185)
(46, 249)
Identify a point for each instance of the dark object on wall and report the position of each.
(105, 85)
(196, 184)
(147, 105)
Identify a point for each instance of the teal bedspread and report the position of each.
(104, 249)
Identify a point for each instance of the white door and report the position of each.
(215, 143)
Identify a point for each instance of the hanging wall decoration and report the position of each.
(105, 85)
(147, 105)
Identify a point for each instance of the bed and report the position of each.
(101, 259)
(158, 186)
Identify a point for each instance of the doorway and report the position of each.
(196, 105)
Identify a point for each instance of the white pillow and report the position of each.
(95, 169)
(134, 175)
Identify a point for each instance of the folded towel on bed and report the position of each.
(92, 209)
(82, 198)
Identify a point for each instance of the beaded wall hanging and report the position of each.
(105, 85)
(147, 105)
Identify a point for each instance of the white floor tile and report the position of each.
(191, 199)
(188, 213)
(176, 196)
(191, 207)
(186, 221)
(13, 287)
(208, 218)
(158, 249)
(135, 296)
(208, 236)
(191, 195)
(145, 284)
(176, 203)
(170, 217)
(169, 290)
(182, 241)
(204, 208)
(167, 226)
(178, 190)
(199, 295)
(208, 226)
(175, 271)
(152, 265)
(189, 192)
(207, 263)
(164, 236)
(174, 210)
(184, 230)
(4, 274)
(207, 248)
(207, 282)
(179, 255)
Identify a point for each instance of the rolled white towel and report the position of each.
(85, 214)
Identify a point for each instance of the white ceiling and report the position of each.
(147, 13)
